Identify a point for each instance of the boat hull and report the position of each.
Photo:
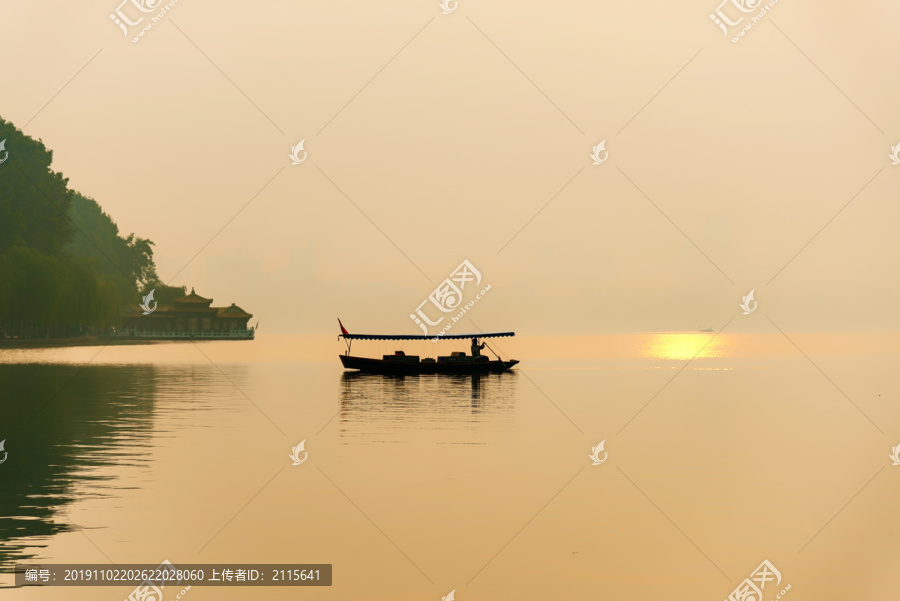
(381, 366)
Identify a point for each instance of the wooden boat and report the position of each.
(402, 364)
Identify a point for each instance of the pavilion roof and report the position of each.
(193, 298)
(232, 311)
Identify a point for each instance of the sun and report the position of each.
(683, 346)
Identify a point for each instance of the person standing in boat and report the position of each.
(476, 348)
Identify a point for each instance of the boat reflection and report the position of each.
(684, 346)
(417, 399)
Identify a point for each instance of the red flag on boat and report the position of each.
(343, 329)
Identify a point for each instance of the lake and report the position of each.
(764, 447)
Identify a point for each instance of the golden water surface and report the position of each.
(723, 451)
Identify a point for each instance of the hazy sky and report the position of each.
(435, 138)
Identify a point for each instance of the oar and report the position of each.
(496, 355)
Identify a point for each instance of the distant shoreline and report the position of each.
(13, 343)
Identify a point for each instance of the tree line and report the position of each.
(64, 268)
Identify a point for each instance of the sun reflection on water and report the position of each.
(675, 346)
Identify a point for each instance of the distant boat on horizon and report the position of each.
(707, 330)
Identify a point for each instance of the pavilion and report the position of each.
(190, 316)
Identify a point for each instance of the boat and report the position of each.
(402, 364)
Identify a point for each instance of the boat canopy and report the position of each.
(432, 337)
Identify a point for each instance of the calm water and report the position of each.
(420, 485)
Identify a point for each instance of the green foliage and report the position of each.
(31, 288)
(64, 268)
(34, 200)
(126, 262)
(164, 295)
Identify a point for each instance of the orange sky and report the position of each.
(449, 133)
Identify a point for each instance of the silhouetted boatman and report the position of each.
(476, 348)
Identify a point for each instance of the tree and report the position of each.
(63, 264)
(34, 200)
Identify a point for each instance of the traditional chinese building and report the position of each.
(190, 316)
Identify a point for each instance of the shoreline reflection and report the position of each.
(60, 451)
